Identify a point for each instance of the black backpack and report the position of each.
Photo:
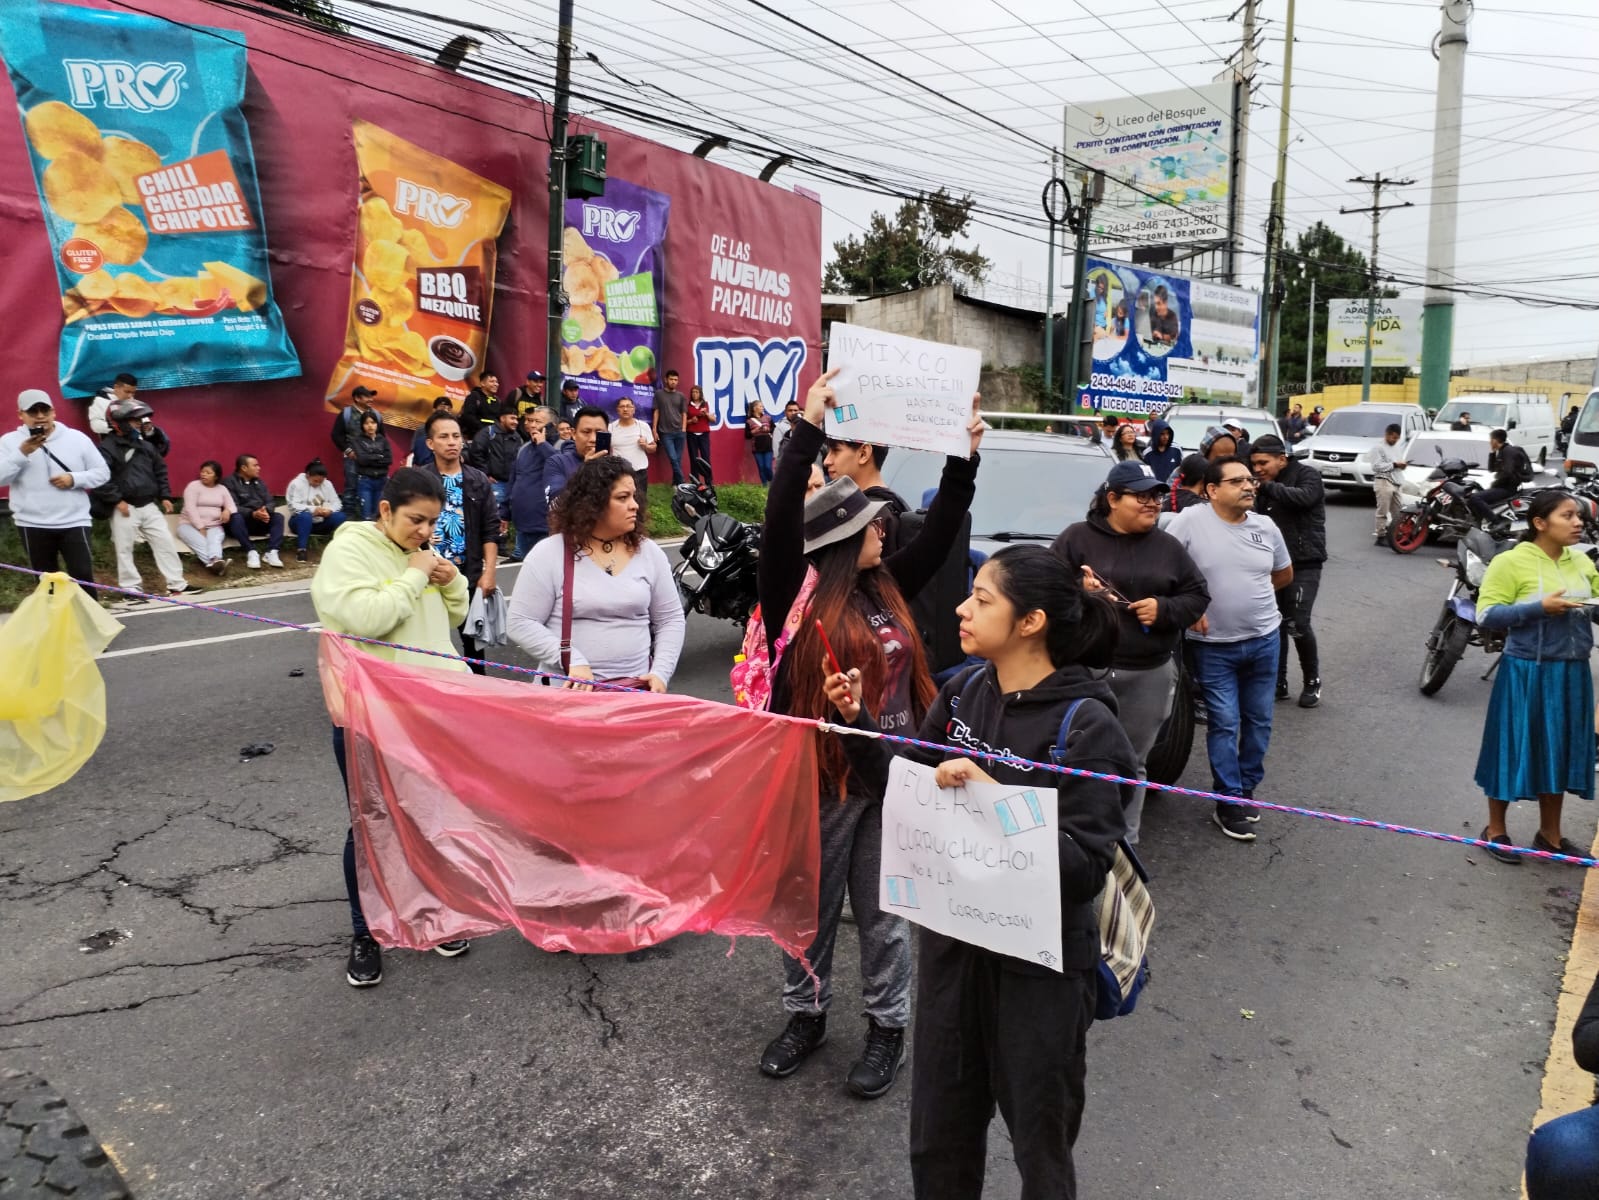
(103, 499)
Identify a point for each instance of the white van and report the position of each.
(1526, 416)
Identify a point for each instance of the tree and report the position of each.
(1340, 272)
(318, 12)
(911, 249)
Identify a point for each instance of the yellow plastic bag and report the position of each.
(52, 703)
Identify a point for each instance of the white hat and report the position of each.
(32, 398)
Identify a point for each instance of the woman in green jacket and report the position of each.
(1538, 739)
(384, 580)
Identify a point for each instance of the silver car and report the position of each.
(1340, 449)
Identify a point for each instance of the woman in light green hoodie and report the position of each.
(383, 580)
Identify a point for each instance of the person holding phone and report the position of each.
(993, 1030)
(1537, 739)
(51, 469)
(862, 601)
(383, 579)
(1158, 592)
(588, 426)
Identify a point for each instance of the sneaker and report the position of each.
(299, 556)
(177, 589)
(1235, 820)
(874, 1072)
(1282, 689)
(253, 561)
(1504, 856)
(452, 949)
(1311, 696)
(217, 566)
(365, 965)
(805, 1035)
(271, 559)
(1380, 540)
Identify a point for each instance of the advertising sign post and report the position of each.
(1395, 332)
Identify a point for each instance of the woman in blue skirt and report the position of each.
(1538, 739)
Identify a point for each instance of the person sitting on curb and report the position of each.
(314, 506)
(256, 516)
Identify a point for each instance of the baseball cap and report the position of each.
(1233, 423)
(32, 398)
(569, 386)
(535, 375)
(1269, 444)
(362, 391)
(1132, 477)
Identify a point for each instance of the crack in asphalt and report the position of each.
(266, 955)
(586, 999)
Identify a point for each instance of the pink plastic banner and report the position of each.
(592, 822)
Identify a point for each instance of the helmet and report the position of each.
(128, 411)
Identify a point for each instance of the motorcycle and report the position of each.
(1457, 626)
(1446, 510)
(716, 576)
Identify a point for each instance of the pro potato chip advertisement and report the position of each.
(148, 189)
(614, 280)
(422, 285)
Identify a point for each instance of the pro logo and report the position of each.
(736, 371)
(610, 224)
(436, 208)
(145, 87)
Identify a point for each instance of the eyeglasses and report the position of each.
(880, 524)
(1240, 480)
(1146, 499)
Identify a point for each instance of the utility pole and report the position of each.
(1081, 218)
(1310, 334)
(557, 295)
(1376, 183)
(1275, 289)
(1438, 311)
(1057, 203)
(1243, 83)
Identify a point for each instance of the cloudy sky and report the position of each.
(1002, 71)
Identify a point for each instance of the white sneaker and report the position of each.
(272, 559)
(253, 562)
(177, 589)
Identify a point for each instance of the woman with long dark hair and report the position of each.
(1125, 445)
(862, 601)
(697, 425)
(993, 1029)
(1537, 740)
(624, 621)
(382, 579)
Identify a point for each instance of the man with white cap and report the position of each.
(50, 470)
(1240, 435)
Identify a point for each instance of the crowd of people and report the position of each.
(1209, 562)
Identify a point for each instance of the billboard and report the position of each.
(1395, 333)
(1161, 338)
(1175, 149)
(739, 300)
(147, 194)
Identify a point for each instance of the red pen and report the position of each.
(828, 646)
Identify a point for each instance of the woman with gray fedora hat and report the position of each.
(862, 601)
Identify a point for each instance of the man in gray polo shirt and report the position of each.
(1245, 561)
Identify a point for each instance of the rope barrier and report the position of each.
(894, 739)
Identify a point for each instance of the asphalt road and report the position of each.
(1402, 991)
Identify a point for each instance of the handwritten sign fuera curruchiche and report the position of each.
(900, 391)
(978, 863)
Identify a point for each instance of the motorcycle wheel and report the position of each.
(1446, 646)
(1407, 532)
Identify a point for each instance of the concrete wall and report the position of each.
(1573, 372)
(937, 314)
(1409, 392)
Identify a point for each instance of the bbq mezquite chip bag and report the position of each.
(422, 281)
(148, 191)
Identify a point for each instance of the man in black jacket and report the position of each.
(468, 529)
(1291, 494)
(481, 406)
(346, 428)
(493, 451)
(1158, 592)
(256, 518)
(138, 485)
(1511, 468)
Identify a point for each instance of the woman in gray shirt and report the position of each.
(627, 618)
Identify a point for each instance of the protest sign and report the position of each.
(900, 391)
(979, 863)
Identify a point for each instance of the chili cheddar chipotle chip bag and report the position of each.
(148, 188)
(423, 279)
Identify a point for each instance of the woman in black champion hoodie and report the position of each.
(991, 1029)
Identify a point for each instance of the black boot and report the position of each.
(1311, 696)
(804, 1035)
(874, 1072)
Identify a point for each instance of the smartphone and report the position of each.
(602, 440)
